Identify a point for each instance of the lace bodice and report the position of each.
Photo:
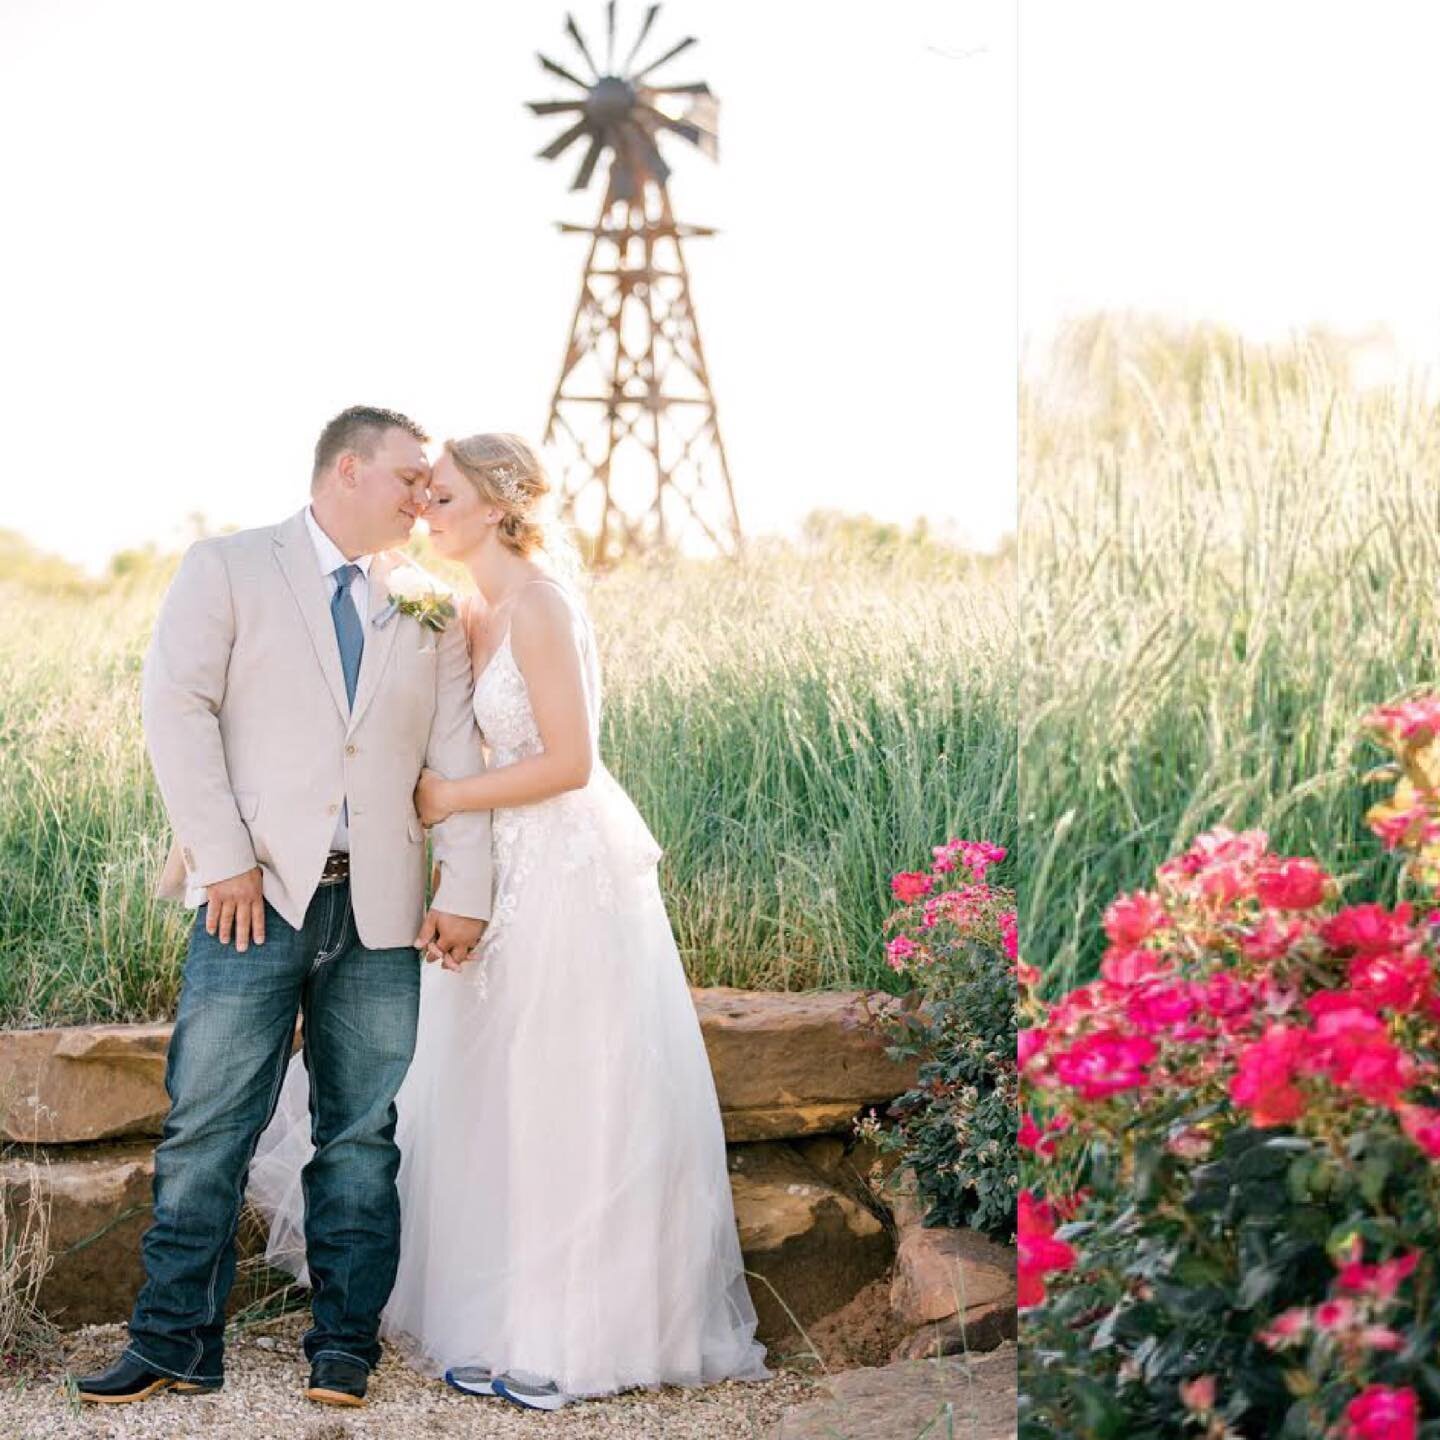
(502, 703)
(596, 828)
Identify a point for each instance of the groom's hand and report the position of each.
(448, 938)
(238, 902)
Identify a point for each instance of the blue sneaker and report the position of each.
(531, 1395)
(471, 1380)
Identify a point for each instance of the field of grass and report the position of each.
(793, 729)
(1228, 554)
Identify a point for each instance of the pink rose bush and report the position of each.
(954, 939)
(1231, 1225)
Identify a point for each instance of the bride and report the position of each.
(567, 1224)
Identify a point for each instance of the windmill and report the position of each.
(632, 419)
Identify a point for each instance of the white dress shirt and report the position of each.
(330, 558)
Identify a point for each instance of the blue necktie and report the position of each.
(349, 633)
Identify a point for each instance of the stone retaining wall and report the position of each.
(82, 1106)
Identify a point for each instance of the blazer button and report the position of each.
(332, 809)
(349, 749)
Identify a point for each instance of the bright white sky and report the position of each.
(1267, 163)
(226, 222)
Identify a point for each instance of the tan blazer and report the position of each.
(255, 748)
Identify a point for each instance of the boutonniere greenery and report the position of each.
(415, 593)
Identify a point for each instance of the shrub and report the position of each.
(954, 938)
(1237, 1127)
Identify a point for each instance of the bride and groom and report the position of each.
(508, 1161)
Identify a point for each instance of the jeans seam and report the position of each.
(345, 1354)
(275, 1085)
(189, 1374)
(327, 955)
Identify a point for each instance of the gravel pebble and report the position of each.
(265, 1375)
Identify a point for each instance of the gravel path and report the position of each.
(265, 1373)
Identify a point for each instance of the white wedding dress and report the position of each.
(565, 1203)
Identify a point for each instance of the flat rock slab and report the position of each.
(788, 1065)
(970, 1396)
(82, 1083)
(98, 1200)
(785, 1065)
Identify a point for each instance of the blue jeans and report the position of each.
(223, 1072)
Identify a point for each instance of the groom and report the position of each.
(288, 711)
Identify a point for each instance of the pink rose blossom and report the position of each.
(1134, 918)
(1382, 1412)
(1290, 885)
(1105, 1063)
(910, 885)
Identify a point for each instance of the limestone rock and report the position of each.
(973, 1396)
(99, 1206)
(810, 1246)
(785, 1065)
(98, 1199)
(796, 1064)
(980, 1328)
(942, 1272)
(83, 1082)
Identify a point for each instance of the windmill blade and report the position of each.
(645, 25)
(610, 35)
(574, 31)
(681, 127)
(561, 71)
(562, 142)
(670, 54)
(695, 87)
(703, 139)
(553, 107)
(587, 165)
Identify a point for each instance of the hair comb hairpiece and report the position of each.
(507, 483)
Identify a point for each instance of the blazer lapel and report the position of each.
(295, 556)
(379, 641)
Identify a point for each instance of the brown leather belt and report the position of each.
(337, 868)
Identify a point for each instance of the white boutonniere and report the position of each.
(415, 593)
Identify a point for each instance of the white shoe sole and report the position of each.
(533, 1402)
(469, 1387)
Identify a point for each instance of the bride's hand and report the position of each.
(432, 798)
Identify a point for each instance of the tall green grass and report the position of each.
(793, 729)
(1229, 552)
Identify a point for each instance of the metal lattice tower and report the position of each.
(632, 420)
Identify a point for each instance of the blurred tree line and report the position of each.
(824, 534)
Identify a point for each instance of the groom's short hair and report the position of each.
(359, 429)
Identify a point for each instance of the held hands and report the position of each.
(434, 798)
(448, 938)
(238, 901)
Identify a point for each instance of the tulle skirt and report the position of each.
(566, 1208)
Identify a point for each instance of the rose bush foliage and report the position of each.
(1231, 1226)
(954, 938)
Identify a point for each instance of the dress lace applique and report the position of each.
(596, 828)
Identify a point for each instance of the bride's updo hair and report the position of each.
(507, 473)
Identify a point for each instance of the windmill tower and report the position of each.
(632, 420)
